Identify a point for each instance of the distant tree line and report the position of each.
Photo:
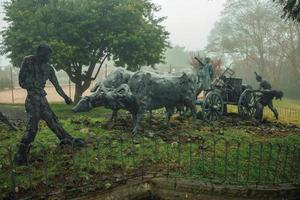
(253, 37)
(178, 59)
(291, 9)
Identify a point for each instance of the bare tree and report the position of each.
(291, 9)
(253, 36)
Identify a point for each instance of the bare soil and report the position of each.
(179, 125)
(19, 94)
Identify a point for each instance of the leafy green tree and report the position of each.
(85, 33)
(291, 9)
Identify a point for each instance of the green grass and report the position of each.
(289, 111)
(106, 159)
(295, 104)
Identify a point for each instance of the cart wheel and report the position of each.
(247, 104)
(212, 107)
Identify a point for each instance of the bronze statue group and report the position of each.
(34, 73)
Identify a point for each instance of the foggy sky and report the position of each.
(189, 22)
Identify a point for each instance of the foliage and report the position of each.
(85, 33)
(252, 36)
(291, 9)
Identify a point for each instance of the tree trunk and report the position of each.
(298, 52)
(80, 88)
(294, 56)
(78, 92)
(83, 80)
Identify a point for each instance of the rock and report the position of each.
(108, 185)
(84, 130)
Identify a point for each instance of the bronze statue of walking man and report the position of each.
(34, 73)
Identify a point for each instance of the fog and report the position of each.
(247, 35)
(190, 22)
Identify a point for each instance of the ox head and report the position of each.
(96, 99)
(84, 105)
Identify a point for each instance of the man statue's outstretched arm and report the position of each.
(58, 88)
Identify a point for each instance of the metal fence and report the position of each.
(286, 114)
(11, 93)
(106, 162)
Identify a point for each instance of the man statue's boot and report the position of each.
(78, 142)
(21, 156)
(75, 142)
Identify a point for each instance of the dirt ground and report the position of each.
(177, 123)
(20, 94)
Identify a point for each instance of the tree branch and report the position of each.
(101, 63)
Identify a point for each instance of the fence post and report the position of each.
(70, 89)
(168, 159)
(238, 161)
(249, 163)
(287, 151)
(143, 156)
(190, 157)
(12, 85)
(179, 156)
(214, 159)
(226, 161)
(269, 163)
(260, 161)
(12, 173)
(277, 163)
(110, 154)
(46, 171)
(133, 153)
(121, 140)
